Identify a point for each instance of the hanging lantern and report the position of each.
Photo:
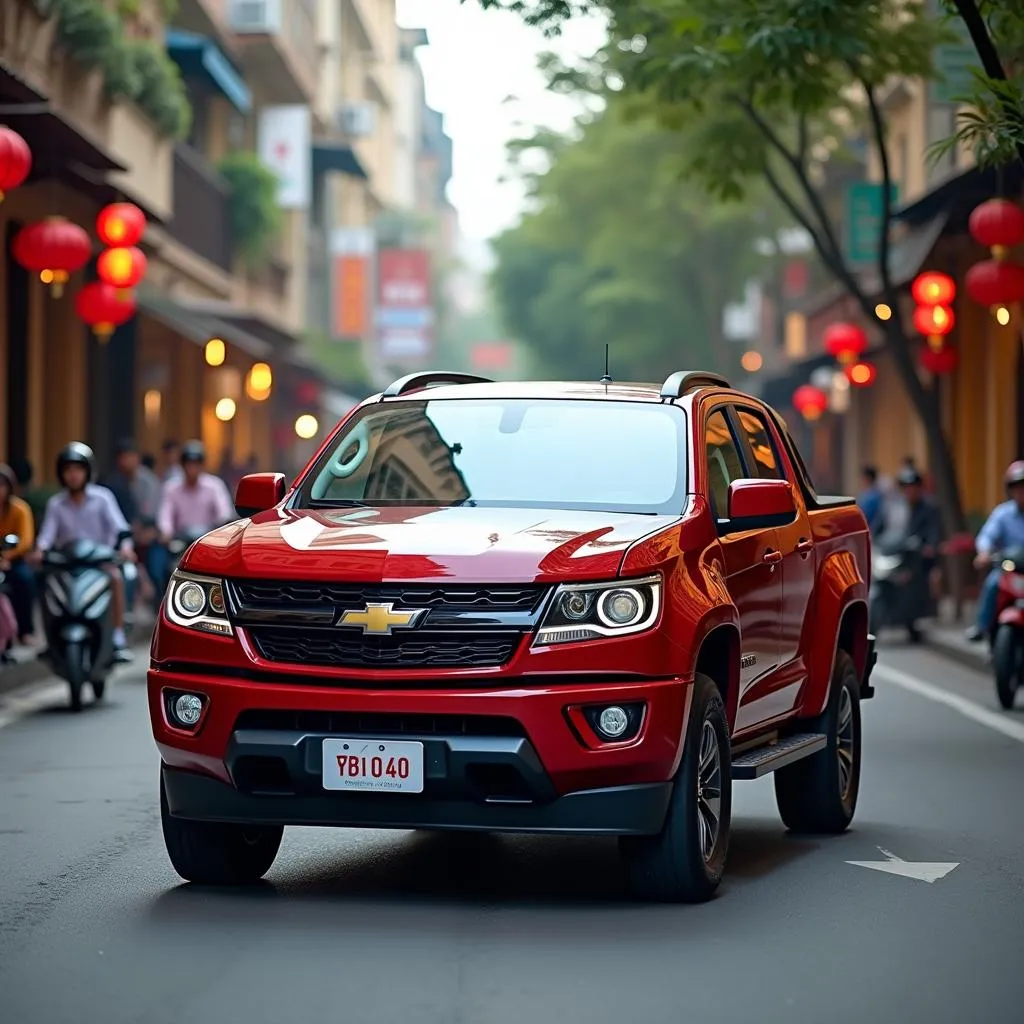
(934, 321)
(308, 392)
(123, 268)
(120, 225)
(861, 375)
(845, 342)
(810, 401)
(997, 224)
(933, 289)
(15, 160)
(995, 282)
(940, 361)
(101, 306)
(54, 249)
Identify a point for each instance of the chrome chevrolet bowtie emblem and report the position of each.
(381, 618)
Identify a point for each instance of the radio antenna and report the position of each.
(607, 378)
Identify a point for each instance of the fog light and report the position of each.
(187, 709)
(613, 722)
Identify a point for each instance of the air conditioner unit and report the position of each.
(357, 120)
(255, 15)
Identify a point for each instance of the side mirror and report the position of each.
(760, 504)
(257, 492)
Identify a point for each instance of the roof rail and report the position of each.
(679, 383)
(425, 378)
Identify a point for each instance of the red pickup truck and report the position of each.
(578, 608)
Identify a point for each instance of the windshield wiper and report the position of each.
(338, 503)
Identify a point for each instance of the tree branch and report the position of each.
(878, 130)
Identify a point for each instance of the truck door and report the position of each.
(751, 572)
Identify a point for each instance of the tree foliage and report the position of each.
(619, 250)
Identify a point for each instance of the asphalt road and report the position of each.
(399, 928)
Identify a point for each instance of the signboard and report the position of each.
(862, 221)
(491, 355)
(953, 69)
(351, 296)
(405, 311)
(285, 146)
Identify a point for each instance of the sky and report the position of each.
(474, 61)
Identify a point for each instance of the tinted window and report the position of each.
(764, 461)
(724, 463)
(616, 456)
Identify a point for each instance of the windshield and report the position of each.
(547, 453)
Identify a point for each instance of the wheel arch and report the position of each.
(718, 657)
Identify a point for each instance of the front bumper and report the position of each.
(620, 810)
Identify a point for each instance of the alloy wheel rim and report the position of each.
(709, 791)
(844, 743)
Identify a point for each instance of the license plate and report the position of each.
(375, 766)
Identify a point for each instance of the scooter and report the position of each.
(77, 605)
(1007, 636)
(896, 573)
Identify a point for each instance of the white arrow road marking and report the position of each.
(1000, 723)
(923, 871)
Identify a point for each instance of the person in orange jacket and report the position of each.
(16, 518)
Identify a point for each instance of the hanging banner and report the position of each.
(405, 311)
(285, 146)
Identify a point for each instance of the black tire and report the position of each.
(676, 866)
(74, 659)
(818, 795)
(99, 688)
(211, 853)
(1008, 663)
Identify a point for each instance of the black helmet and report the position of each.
(193, 451)
(76, 453)
(1014, 474)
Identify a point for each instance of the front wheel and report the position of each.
(212, 853)
(1008, 663)
(74, 660)
(684, 863)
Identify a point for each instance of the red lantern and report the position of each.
(810, 401)
(861, 375)
(54, 249)
(123, 268)
(845, 342)
(933, 289)
(308, 393)
(934, 320)
(940, 361)
(995, 282)
(997, 224)
(15, 160)
(120, 224)
(100, 305)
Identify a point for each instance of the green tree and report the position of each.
(619, 250)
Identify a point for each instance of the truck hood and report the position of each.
(371, 545)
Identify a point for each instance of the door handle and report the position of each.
(771, 556)
(805, 546)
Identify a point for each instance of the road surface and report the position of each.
(399, 928)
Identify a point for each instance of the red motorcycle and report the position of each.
(1007, 637)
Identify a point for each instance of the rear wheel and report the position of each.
(819, 793)
(74, 659)
(684, 863)
(1008, 663)
(211, 853)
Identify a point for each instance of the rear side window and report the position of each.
(764, 460)
(724, 462)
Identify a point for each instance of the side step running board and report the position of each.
(752, 764)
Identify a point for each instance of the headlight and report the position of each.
(197, 602)
(591, 611)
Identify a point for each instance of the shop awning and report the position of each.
(55, 142)
(201, 58)
(958, 194)
(336, 157)
(198, 327)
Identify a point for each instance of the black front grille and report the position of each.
(282, 594)
(331, 648)
(358, 723)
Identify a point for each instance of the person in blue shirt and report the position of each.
(1003, 531)
(871, 499)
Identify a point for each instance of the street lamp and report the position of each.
(306, 426)
(225, 410)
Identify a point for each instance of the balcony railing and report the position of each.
(201, 220)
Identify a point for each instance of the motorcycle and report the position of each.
(77, 606)
(1007, 637)
(895, 597)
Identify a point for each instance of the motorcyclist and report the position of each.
(16, 518)
(1003, 530)
(85, 511)
(197, 500)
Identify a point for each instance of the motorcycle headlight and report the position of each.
(595, 611)
(197, 602)
(886, 563)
